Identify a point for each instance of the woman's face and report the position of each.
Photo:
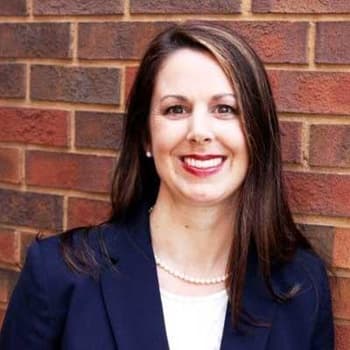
(197, 141)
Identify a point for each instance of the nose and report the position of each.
(200, 129)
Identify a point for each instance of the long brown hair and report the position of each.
(263, 219)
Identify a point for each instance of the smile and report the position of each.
(202, 166)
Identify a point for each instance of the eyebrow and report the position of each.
(178, 97)
(217, 97)
(182, 98)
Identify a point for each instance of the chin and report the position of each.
(205, 198)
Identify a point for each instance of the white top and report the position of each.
(194, 322)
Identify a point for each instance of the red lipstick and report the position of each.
(202, 165)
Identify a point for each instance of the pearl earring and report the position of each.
(148, 154)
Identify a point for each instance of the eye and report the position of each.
(224, 109)
(176, 109)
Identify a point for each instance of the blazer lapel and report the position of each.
(131, 293)
(133, 302)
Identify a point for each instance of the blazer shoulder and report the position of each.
(309, 272)
(95, 241)
(305, 272)
(46, 286)
(310, 264)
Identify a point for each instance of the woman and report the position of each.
(201, 251)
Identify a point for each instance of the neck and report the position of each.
(193, 239)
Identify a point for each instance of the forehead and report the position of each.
(191, 72)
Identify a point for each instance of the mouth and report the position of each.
(203, 165)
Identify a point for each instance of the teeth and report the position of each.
(209, 163)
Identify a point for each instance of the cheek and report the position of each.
(234, 140)
(165, 136)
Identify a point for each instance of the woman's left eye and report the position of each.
(224, 109)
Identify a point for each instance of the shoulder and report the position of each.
(306, 266)
(46, 268)
(81, 248)
(47, 287)
(307, 274)
(97, 240)
(46, 272)
(309, 310)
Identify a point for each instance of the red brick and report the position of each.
(70, 84)
(12, 80)
(275, 42)
(26, 238)
(332, 42)
(319, 194)
(189, 6)
(69, 171)
(291, 141)
(36, 210)
(36, 126)
(311, 92)
(118, 40)
(321, 239)
(342, 336)
(78, 7)
(4, 292)
(130, 74)
(300, 6)
(341, 297)
(9, 246)
(4, 289)
(8, 280)
(330, 145)
(98, 130)
(10, 164)
(85, 212)
(13, 8)
(2, 316)
(35, 40)
(341, 248)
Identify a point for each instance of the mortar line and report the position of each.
(334, 221)
(134, 62)
(27, 83)
(72, 131)
(246, 8)
(23, 167)
(122, 87)
(52, 191)
(65, 213)
(24, 229)
(100, 152)
(9, 267)
(316, 118)
(256, 17)
(290, 167)
(126, 10)
(340, 322)
(62, 105)
(74, 32)
(305, 144)
(84, 152)
(30, 10)
(68, 192)
(311, 44)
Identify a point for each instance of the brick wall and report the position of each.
(66, 67)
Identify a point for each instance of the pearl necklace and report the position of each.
(190, 279)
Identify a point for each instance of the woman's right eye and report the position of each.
(176, 109)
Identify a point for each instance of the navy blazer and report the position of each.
(55, 308)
